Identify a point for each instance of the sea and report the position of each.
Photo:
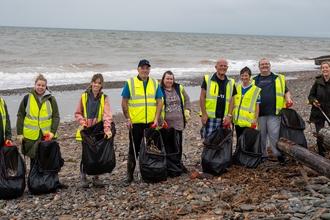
(69, 56)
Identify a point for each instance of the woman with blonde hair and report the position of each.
(319, 96)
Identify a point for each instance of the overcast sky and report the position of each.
(310, 18)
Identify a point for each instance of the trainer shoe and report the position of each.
(281, 160)
(84, 182)
(97, 182)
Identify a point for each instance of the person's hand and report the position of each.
(289, 104)
(85, 125)
(316, 103)
(108, 135)
(20, 138)
(165, 125)
(8, 143)
(51, 135)
(129, 124)
(204, 120)
(187, 114)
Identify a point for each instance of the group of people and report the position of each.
(255, 103)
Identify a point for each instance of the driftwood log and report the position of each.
(324, 133)
(304, 156)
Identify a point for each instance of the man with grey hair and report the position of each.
(215, 99)
(274, 95)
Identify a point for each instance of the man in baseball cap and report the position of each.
(144, 62)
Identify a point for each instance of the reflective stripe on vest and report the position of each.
(4, 117)
(84, 98)
(245, 106)
(212, 92)
(37, 119)
(142, 103)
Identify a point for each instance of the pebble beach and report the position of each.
(270, 191)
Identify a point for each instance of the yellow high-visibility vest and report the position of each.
(142, 104)
(4, 116)
(245, 106)
(37, 119)
(212, 91)
(84, 98)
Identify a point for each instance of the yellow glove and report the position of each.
(187, 114)
(51, 135)
(108, 135)
(20, 138)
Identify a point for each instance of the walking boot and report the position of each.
(130, 169)
(84, 182)
(97, 182)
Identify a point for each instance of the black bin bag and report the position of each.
(171, 141)
(43, 176)
(12, 173)
(217, 152)
(152, 164)
(292, 127)
(248, 149)
(98, 153)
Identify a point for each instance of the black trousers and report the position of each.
(137, 133)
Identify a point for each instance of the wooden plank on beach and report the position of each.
(304, 156)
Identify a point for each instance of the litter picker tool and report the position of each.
(135, 157)
(318, 105)
(324, 114)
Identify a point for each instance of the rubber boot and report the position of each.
(321, 148)
(130, 169)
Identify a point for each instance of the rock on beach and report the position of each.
(270, 191)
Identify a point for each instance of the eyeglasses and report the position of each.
(264, 64)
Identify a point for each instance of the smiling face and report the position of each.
(40, 87)
(264, 67)
(96, 85)
(168, 81)
(221, 67)
(144, 72)
(245, 78)
(325, 69)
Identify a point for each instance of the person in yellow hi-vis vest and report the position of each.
(141, 105)
(216, 95)
(5, 127)
(274, 96)
(246, 104)
(37, 116)
(93, 107)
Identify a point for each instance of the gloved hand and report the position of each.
(165, 125)
(51, 135)
(316, 103)
(289, 104)
(8, 143)
(108, 135)
(85, 125)
(154, 126)
(187, 114)
(20, 138)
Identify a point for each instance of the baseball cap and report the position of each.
(144, 62)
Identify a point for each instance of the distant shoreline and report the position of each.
(195, 81)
